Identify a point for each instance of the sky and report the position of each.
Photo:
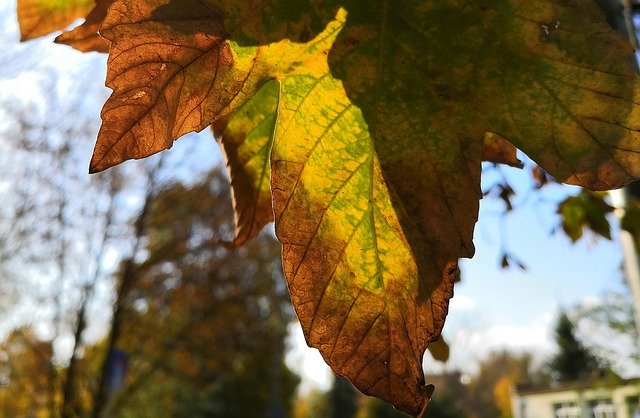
(493, 308)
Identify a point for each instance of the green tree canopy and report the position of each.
(205, 325)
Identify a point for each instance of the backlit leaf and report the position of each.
(170, 69)
(246, 140)
(571, 102)
(41, 17)
(85, 37)
(439, 349)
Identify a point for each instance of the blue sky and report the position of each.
(493, 308)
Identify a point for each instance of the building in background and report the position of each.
(582, 399)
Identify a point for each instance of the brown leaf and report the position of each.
(41, 17)
(540, 177)
(246, 140)
(500, 151)
(85, 37)
(167, 79)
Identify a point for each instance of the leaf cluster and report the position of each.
(360, 129)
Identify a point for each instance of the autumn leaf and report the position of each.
(382, 113)
(500, 151)
(41, 17)
(85, 37)
(246, 140)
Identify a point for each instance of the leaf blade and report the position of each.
(170, 69)
(246, 139)
(576, 97)
(85, 38)
(346, 257)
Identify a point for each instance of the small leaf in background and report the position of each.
(246, 139)
(440, 350)
(504, 192)
(540, 177)
(507, 260)
(587, 210)
(41, 17)
(573, 217)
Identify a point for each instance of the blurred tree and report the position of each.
(444, 404)
(375, 408)
(204, 324)
(312, 405)
(343, 399)
(57, 225)
(608, 326)
(573, 360)
(25, 378)
(489, 389)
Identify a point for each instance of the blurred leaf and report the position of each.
(507, 260)
(504, 261)
(439, 349)
(504, 192)
(540, 177)
(585, 210)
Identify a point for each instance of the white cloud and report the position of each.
(469, 345)
(462, 303)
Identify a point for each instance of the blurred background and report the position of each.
(118, 299)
